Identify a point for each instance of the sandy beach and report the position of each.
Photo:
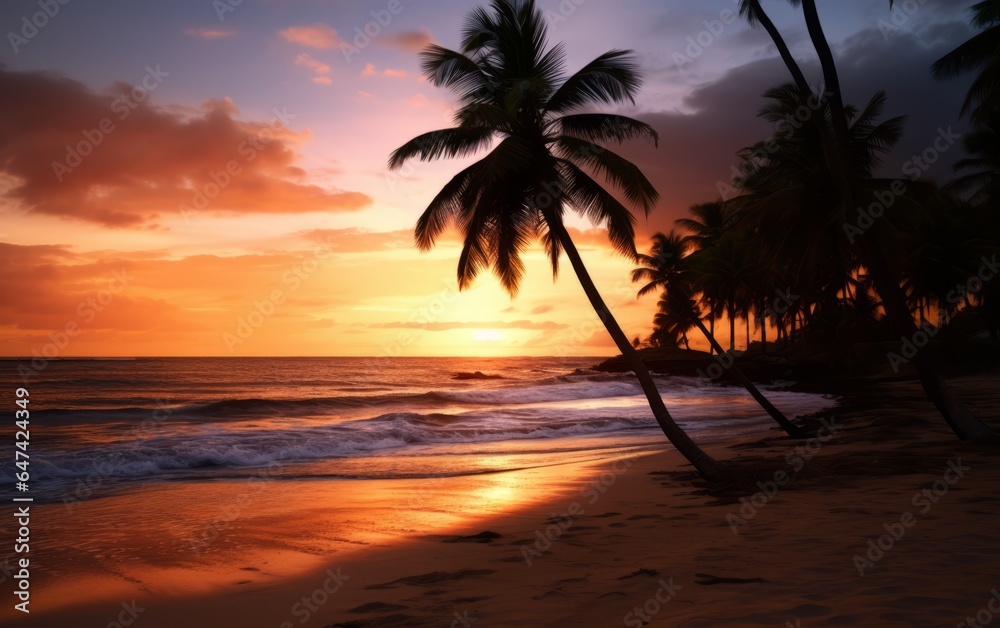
(516, 313)
(882, 519)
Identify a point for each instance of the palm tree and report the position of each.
(983, 143)
(708, 224)
(661, 267)
(704, 228)
(981, 52)
(514, 100)
(673, 320)
(844, 170)
(679, 311)
(727, 267)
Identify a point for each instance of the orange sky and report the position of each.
(176, 182)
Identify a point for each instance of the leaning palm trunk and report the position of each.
(732, 330)
(709, 468)
(837, 153)
(711, 321)
(517, 103)
(790, 428)
(964, 423)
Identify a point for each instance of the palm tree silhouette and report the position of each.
(833, 127)
(667, 269)
(982, 169)
(981, 52)
(708, 222)
(515, 100)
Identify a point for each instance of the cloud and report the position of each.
(320, 69)
(599, 339)
(697, 150)
(370, 70)
(168, 304)
(541, 309)
(353, 240)
(108, 158)
(209, 33)
(54, 285)
(408, 41)
(446, 326)
(418, 101)
(316, 35)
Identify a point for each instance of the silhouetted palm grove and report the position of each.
(809, 244)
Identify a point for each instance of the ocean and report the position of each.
(105, 426)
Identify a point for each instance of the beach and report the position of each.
(882, 518)
(513, 313)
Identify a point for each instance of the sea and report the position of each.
(101, 427)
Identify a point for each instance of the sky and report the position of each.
(209, 177)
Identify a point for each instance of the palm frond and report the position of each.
(454, 142)
(619, 171)
(610, 78)
(605, 127)
(590, 199)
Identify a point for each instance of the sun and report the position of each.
(487, 335)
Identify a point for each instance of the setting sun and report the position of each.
(487, 335)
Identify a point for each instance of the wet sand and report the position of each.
(618, 541)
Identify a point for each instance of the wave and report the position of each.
(551, 390)
(219, 448)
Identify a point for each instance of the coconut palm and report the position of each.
(727, 266)
(673, 320)
(982, 170)
(707, 224)
(662, 266)
(679, 311)
(516, 101)
(982, 53)
(845, 172)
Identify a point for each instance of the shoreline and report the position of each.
(657, 538)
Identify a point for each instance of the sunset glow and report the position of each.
(238, 155)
